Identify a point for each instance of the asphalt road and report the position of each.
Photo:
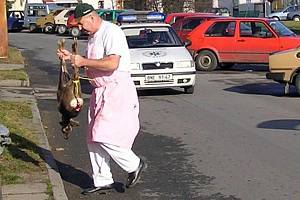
(236, 137)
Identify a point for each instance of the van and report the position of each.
(47, 24)
(33, 11)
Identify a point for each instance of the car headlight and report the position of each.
(184, 64)
(134, 66)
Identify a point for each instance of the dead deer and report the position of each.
(69, 97)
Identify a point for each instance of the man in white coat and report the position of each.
(114, 107)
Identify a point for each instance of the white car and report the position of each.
(158, 57)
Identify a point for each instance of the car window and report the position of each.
(148, 37)
(69, 13)
(281, 29)
(191, 24)
(221, 29)
(39, 13)
(176, 26)
(108, 16)
(291, 9)
(254, 29)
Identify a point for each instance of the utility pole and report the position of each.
(3, 30)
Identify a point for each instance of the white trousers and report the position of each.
(100, 154)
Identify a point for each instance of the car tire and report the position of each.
(276, 18)
(189, 89)
(32, 28)
(75, 32)
(297, 83)
(226, 66)
(296, 18)
(61, 29)
(206, 61)
(49, 28)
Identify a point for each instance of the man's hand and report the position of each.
(63, 54)
(77, 60)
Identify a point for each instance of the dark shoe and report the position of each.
(96, 189)
(133, 177)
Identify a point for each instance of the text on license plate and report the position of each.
(158, 78)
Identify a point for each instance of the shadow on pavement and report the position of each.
(72, 175)
(272, 89)
(282, 124)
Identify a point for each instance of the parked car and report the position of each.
(295, 15)
(15, 20)
(173, 17)
(158, 58)
(60, 20)
(47, 23)
(226, 41)
(284, 67)
(185, 25)
(282, 14)
(33, 11)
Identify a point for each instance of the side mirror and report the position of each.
(187, 43)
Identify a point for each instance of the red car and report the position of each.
(185, 25)
(226, 41)
(173, 17)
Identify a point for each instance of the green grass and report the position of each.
(15, 74)
(14, 57)
(294, 26)
(49, 190)
(21, 159)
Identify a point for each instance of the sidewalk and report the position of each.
(34, 190)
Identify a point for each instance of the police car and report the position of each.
(158, 57)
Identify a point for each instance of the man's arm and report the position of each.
(108, 63)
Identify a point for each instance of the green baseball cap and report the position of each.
(83, 9)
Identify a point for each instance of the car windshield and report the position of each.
(148, 37)
(281, 29)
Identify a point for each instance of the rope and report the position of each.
(85, 78)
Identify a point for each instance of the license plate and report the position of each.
(158, 78)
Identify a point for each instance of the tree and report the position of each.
(9, 4)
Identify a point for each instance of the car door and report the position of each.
(187, 26)
(220, 37)
(255, 42)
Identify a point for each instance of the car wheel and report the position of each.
(48, 28)
(206, 61)
(189, 89)
(226, 65)
(75, 32)
(276, 18)
(32, 28)
(61, 29)
(297, 83)
(296, 18)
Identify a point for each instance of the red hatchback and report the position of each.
(185, 25)
(226, 41)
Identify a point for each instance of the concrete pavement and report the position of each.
(10, 91)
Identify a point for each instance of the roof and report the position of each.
(129, 25)
(224, 18)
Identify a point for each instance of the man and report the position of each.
(114, 107)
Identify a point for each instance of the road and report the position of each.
(236, 137)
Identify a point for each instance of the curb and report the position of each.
(13, 83)
(11, 66)
(54, 176)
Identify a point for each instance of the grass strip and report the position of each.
(21, 160)
(14, 57)
(15, 74)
